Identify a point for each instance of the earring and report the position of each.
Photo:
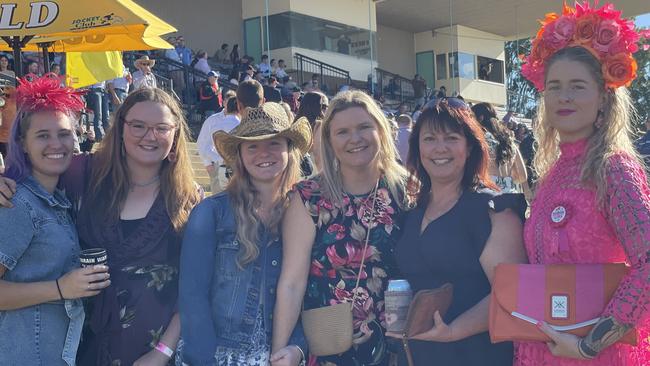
(599, 120)
(336, 164)
(171, 157)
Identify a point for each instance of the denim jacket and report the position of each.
(219, 301)
(38, 242)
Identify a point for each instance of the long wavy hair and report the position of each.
(245, 200)
(394, 175)
(311, 107)
(610, 138)
(460, 120)
(110, 181)
(487, 117)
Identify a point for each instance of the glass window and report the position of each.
(441, 66)
(490, 69)
(461, 64)
(299, 30)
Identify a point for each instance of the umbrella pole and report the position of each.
(46, 55)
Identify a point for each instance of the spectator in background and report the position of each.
(248, 74)
(274, 66)
(118, 88)
(4, 66)
(234, 76)
(144, 77)
(97, 101)
(271, 91)
(343, 44)
(32, 71)
(264, 67)
(259, 77)
(312, 106)
(405, 124)
(221, 56)
(202, 62)
(234, 56)
(183, 52)
(419, 88)
(210, 101)
(442, 93)
(175, 71)
(280, 72)
(643, 145)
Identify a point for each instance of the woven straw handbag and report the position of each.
(328, 329)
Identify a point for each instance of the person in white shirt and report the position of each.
(250, 94)
(202, 63)
(144, 77)
(280, 73)
(264, 67)
(118, 88)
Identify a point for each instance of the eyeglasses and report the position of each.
(140, 129)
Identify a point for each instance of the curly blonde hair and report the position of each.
(611, 138)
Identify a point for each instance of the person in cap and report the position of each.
(144, 77)
(232, 251)
(210, 99)
(592, 202)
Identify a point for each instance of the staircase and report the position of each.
(200, 174)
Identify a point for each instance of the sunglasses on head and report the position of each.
(449, 102)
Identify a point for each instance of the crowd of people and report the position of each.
(319, 203)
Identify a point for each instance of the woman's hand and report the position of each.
(561, 344)
(287, 356)
(152, 358)
(441, 332)
(84, 282)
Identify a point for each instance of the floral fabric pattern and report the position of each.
(337, 253)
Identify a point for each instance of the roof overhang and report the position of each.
(511, 19)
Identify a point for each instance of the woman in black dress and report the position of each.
(458, 233)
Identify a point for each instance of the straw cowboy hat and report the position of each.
(269, 120)
(144, 60)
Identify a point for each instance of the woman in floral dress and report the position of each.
(324, 230)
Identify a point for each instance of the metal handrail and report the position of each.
(330, 76)
(402, 89)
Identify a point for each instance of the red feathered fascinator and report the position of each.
(602, 31)
(47, 94)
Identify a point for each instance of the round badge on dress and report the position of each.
(558, 214)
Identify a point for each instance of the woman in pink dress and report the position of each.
(593, 202)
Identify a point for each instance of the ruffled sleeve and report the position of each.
(627, 208)
(310, 193)
(496, 202)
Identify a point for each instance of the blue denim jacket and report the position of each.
(38, 242)
(219, 301)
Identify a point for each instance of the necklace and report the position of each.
(146, 184)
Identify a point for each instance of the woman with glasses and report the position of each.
(133, 198)
(458, 233)
(325, 227)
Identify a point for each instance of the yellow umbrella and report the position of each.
(73, 25)
(75, 18)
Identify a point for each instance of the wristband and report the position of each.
(301, 352)
(59, 289)
(162, 348)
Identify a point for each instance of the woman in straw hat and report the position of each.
(326, 224)
(231, 255)
(593, 201)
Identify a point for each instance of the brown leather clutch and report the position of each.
(424, 305)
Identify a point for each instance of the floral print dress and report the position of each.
(336, 259)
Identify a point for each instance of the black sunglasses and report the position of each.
(449, 102)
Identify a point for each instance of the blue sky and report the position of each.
(643, 20)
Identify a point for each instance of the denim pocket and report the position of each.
(227, 255)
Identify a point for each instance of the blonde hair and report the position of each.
(245, 200)
(611, 138)
(393, 173)
(110, 181)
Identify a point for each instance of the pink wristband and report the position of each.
(162, 348)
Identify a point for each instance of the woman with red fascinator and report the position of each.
(593, 201)
(41, 315)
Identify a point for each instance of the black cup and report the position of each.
(93, 256)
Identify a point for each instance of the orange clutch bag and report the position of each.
(569, 297)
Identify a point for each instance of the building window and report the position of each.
(490, 69)
(298, 30)
(462, 64)
(441, 66)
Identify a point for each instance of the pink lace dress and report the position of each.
(617, 232)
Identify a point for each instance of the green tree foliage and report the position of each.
(640, 88)
(521, 93)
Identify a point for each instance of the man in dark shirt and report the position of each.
(643, 144)
(210, 101)
(271, 91)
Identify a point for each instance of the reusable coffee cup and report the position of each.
(93, 256)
